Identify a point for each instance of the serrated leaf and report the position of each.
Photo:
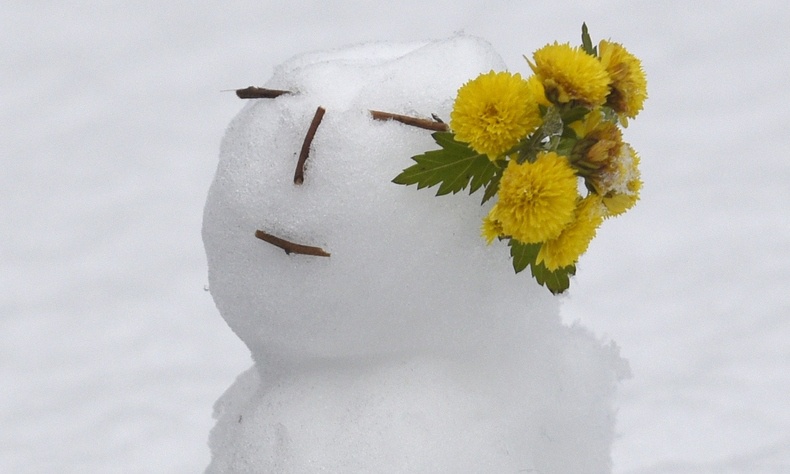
(454, 167)
(529, 148)
(492, 186)
(447, 141)
(484, 177)
(557, 280)
(587, 42)
(523, 254)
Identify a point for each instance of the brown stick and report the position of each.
(436, 124)
(291, 247)
(413, 121)
(253, 92)
(308, 139)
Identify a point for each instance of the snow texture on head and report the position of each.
(398, 254)
(414, 347)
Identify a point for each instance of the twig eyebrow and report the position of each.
(436, 126)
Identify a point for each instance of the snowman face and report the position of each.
(406, 270)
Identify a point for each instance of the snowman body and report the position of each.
(413, 347)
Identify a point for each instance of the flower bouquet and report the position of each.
(548, 148)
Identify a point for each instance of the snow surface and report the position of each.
(112, 353)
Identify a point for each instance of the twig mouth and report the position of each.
(253, 92)
(291, 247)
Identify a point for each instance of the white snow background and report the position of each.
(112, 353)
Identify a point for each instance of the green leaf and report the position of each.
(530, 146)
(492, 187)
(565, 146)
(570, 115)
(557, 281)
(454, 167)
(523, 254)
(447, 141)
(587, 42)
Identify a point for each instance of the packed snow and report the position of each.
(414, 347)
(113, 353)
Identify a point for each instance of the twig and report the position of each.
(291, 247)
(413, 121)
(308, 139)
(253, 92)
(436, 124)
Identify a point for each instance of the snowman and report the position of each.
(386, 336)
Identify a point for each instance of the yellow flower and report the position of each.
(566, 248)
(538, 91)
(601, 143)
(625, 184)
(569, 74)
(491, 229)
(629, 84)
(536, 200)
(609, 166)
(494, 111)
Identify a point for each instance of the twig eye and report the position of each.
(308, 139)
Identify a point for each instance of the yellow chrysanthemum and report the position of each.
(566, 248)
(491, 229)
(619, 203)
(629, 84)
(536, 200)
(626, 184)
(569, 74)
(601, 143)
(538, 91)
(494, 111)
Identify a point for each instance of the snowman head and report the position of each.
(407, 271)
